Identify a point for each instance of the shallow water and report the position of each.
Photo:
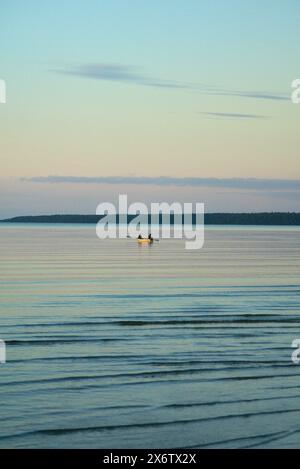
(110, 344)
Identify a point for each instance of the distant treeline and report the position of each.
(264, 218)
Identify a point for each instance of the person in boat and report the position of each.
(149, 237)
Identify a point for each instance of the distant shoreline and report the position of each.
(263, 218)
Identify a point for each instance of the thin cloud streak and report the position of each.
(131, 75)
(232, 115)
(253, 95)
(229, 183)
(119, 73)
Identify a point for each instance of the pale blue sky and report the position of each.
(149, 88)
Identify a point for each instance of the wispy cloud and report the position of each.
(232, 115)
(270, 96)
(132, 75)
(119, 73)
(230, 183)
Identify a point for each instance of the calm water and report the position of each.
(114, 345)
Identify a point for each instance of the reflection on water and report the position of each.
(114, 345)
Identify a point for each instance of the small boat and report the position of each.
(145, 241)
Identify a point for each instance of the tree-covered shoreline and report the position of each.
(263, 218)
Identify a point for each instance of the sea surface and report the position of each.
(115, 345)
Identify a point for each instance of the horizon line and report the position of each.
(233, 183)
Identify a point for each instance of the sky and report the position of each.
(145, 91)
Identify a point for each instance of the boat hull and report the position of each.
(145, 242)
